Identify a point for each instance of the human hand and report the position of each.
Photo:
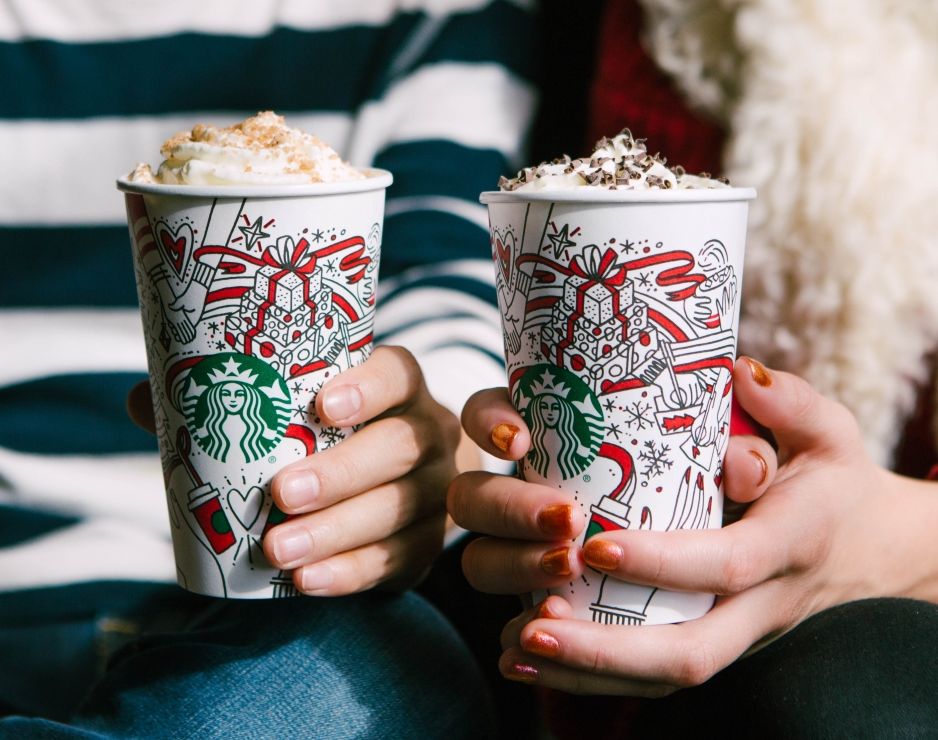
(370, 510)
(817, 537)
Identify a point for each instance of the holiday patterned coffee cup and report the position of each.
(251, 299)
(620, 313)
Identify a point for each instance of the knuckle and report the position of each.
(461, 498)
(698, 665)
(401, 369)
(739, 568)
(803, 399)
(450, 427)
(340, 474)
(598, 660)
(410, 442)
(472, 556)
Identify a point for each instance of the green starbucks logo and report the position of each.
(236, 407)
(565, 419)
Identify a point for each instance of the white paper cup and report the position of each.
(251, 299)
(620, 312)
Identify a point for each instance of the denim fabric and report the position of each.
(368, 666)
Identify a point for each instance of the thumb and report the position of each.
(800, 418)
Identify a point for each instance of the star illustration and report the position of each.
(644, 280)
(219, 344)
(252, 233)
(317, 235)
(213, 326)
(609, 404)
(297, 387)
(561, 240)
(614, 430)
(300, 411)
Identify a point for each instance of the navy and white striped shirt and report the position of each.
(437, 91)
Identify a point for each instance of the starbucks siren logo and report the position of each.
(236, 407)
(565, 419)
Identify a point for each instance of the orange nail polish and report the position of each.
(521, 672)
(544, 611)
(554, 520)
(763, 467)
(759, 373)
(556, 562)
(503, 435)
(602, 554)
(540, 643)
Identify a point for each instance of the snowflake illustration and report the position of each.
(636, 414)
(331, 436)
(655, 458)
(614, 430)
(300, 411)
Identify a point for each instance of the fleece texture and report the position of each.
(832, 112)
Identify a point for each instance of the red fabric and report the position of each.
(629, 91)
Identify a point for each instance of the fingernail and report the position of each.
(292, 545)
(522, 672)
(540, 643)
(503, 435)
(556, 562)
(759, 373)
(342, 402)
(544, 611)
(298, 489)
(763, 467)
(316, 577)
(602, 554)
(554, 520)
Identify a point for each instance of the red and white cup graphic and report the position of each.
(251, 299)
(620, 314)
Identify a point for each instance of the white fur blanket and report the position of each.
(832, 107)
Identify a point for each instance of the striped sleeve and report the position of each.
(438, 91)
(453, 118)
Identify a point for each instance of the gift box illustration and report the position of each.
(288, 307)
(599, 329)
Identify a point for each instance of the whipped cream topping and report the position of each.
(619, 163)
(261, 150)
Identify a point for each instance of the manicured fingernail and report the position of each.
(556, 562)
(298, 489)
(544, 611)
(540, 643)
(503, 435)
(759, 372)
(316, 577)
(522, 672)
(763, 467)
(554, 520)
(292, 545)
(602, 554)
(342, 402)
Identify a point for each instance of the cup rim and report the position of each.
(377, 179)
(588, 194)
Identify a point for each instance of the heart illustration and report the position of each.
(175, 246)
(246, 506)
(503, 250)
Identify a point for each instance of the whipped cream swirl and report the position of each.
(261, 150)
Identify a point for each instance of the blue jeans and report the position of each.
(126, 660)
